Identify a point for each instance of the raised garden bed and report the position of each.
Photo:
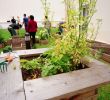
(75, 85)
(104, 47)
(1, 45)
(36, 73)
(43, 41)
(102, 50)
(8, 42)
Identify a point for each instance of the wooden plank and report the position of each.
(17, 43)
(103, 56)
(68, 84)
(11, 83)
(31, 52)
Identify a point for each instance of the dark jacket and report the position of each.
(13, 21)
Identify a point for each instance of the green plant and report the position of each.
(1, 39)
(32, 64)
(68, 51)
(43, 34)
(29, 65)
(99, 53)
(104, 92)
(73, 45)
(7, 49)
(4, 33)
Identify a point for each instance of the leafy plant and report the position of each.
(30, 65)
(43, 34)
(99, 53)
(4, 33)
(69, 50)
(7, 49)
(1, 39)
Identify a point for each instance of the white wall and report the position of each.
(103, 12)
(9, 8)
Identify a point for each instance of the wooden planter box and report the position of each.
(8, 42)
(1, 45)
(43, 41)
(105, 55)
(37, 40)
(18, 43)
(75, 85)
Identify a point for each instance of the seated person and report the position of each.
(13, 27)
(12, 31)
(60, 28)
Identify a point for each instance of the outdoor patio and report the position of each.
(54, 50)
(57, 87)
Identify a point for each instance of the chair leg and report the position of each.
(3, 67)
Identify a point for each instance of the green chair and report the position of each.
(3, 66)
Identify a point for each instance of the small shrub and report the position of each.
(68, 51)
(1, 39)
(43, 34)
(30, 65)
(7, 49)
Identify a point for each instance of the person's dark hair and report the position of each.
(46, 17)
(31, 17)
(25, 15)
